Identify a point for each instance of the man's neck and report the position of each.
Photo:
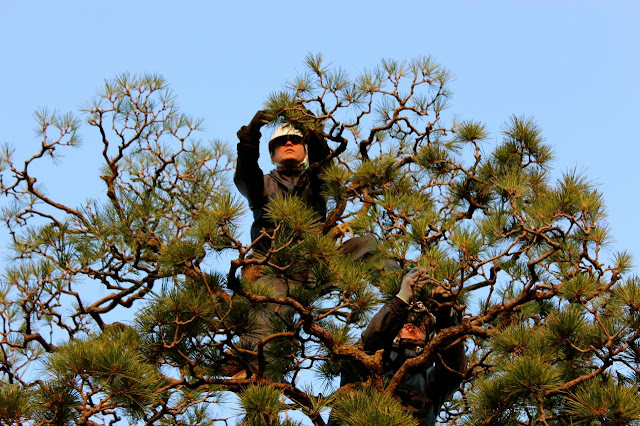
(289, 171)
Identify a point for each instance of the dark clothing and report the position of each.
(423, 392)
(258, 188)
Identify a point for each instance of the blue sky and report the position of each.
(572, 65)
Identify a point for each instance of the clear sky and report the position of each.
(572, 65)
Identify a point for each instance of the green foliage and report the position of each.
(56, 402)
(219, 225)
(369, 407)
(604, 402)
(629, 293)
(14, 404)
(469, 131)
(548, 313)
(514, 341)
(529, 375)
(579, 286)
(491, 404)
(262, 405)
(112, 362)
(182, 317)
(293, 213)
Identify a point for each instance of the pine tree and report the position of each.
(549, 322)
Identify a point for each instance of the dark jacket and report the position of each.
(258, 187)
(423, 392)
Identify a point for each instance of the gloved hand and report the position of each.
(252, 130)
(409, 281)
(260, 119)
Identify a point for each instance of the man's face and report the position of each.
(288, 151)
(412, 331)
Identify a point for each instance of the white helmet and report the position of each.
(282, 130)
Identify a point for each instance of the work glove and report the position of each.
(414, 277)
(251, 132)
(415, 280)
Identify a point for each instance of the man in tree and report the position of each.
(291, 152)
(422, 392)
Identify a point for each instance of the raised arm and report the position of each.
(385, 325)
(248, 176)
(390, 319)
